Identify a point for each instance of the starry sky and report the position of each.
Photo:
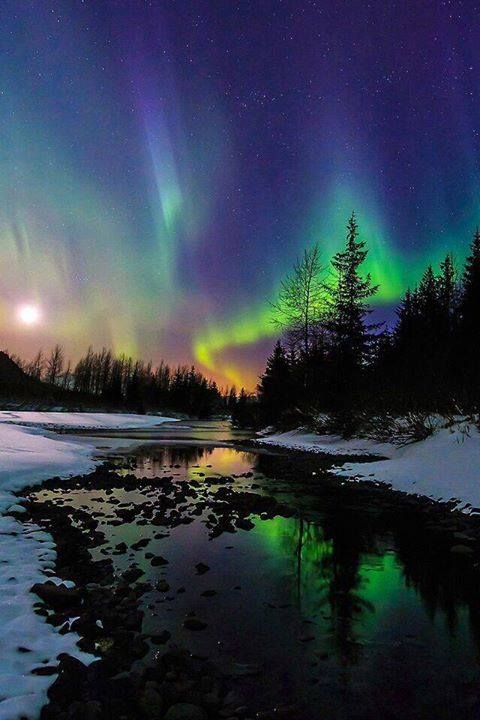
(163, 163)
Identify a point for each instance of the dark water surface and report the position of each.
(323, 607)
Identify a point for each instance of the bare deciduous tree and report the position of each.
(301, 301)
(36, 366)
(54, 365)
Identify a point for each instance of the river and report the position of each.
(338, 608)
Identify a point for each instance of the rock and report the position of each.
(193, 623)
(185, 711)
(70, 682)
(58, 597)
(132, 574)
(244, 524)
(151, 702)
(201, 568)
(139, 647)
(462, 537)
(16, 510)
(461, 550)
(161, 639)
(45, 670)
(158, 560)
(140, 544)
(163, 586)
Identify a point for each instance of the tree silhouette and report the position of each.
(349, 308)
(301, 301)
(54, 365)
(276, 388)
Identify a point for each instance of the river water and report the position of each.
(329, 607)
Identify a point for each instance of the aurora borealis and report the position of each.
(163, 163)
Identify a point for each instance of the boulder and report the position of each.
(193, 623)
(132, 574)
(58, 597)
(461, 550)
(151, 702)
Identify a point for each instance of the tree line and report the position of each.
(332, 359)
(121, 381)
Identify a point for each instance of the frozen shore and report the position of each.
(444, 466)
(31, 452)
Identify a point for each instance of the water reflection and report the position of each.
(348, 562)
(206, 460)
(357, 611)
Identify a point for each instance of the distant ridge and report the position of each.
(17, 389)
(13, 378)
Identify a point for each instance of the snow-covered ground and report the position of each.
(31, 453)
(444, 466)
(82, 420)
(326, 444)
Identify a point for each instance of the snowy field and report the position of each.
(29, 453)
(444, 466)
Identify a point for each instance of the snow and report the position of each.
(444, 466)
(326, 444)
(29, 453)
(112, 421)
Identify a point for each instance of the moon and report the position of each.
(29, 314)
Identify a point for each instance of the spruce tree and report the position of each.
(349, 308)
(429, 306)
(407, 320)
(470, 295)
(448, 292)
(467, 361)
(275, 390)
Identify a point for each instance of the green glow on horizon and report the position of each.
(257, 323)
(391, 269)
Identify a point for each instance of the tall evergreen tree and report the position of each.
(275, 390)
(407, 320)
(470, 295)
(349, 307)
(468, 360)
(448, 293)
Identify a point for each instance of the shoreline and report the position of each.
(61, 457)
(110, 620)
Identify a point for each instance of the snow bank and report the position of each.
(445, 466)
(326, 444)
(112, 421)
(27, 554)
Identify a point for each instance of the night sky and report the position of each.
(163, 163)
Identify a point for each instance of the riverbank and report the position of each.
(444, 466)
(40, 544)
(31, 452)
(240, 583)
